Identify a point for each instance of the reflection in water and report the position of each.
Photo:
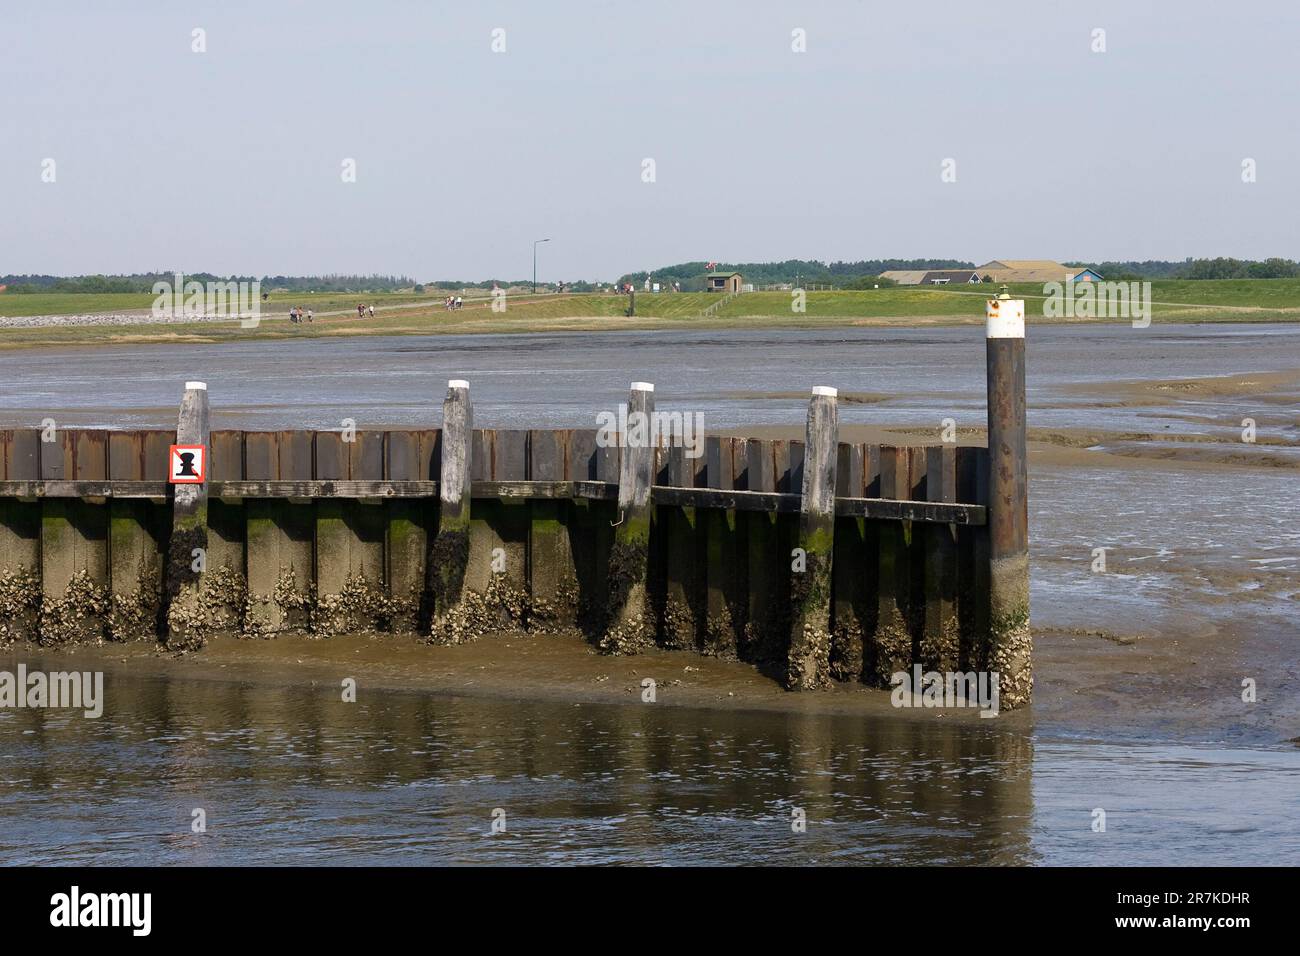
(298, 776)
(293, 775)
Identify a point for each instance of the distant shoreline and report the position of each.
(126, 330)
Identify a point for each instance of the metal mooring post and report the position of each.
(1009, 640)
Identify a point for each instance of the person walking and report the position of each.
(372, 311)
(310, 315)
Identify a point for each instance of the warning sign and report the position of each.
(188, 464)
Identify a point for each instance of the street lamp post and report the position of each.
(535, 242)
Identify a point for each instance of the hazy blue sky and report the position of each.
(230, 160)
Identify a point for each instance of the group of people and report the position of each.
(362, 310)
(299, 314)
(452, 303)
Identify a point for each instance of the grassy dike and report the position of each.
(1267, 300)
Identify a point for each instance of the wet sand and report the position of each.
(560, 668)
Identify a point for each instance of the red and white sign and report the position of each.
(188, 464)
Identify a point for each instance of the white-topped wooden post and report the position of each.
(629, 626)
(449, 553)
(1010, 643)
(810, 562)
(187, 548)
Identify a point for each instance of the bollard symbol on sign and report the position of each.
(187, 464)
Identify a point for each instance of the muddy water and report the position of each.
(411, 778)
(1139, 669)
(562, 380)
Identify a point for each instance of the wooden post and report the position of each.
(810, 604)
(188, 547)
(1009, 640)
(449, 554)
(629, 623)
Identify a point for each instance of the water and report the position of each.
(563, 380)
(288, 774)
(412, 778)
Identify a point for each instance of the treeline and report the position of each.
(144, 282)
(691, 274)
(450, 285)
(1221, 268)
(863, 273)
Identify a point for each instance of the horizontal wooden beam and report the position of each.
(768, 501)
(725, 499)
(317, 488)
(786, 503)
(936, 512)
(595, 490)
(85, 489)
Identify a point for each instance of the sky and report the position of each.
(233, 159)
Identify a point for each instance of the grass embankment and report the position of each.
(109, 303)
(1266, 300)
